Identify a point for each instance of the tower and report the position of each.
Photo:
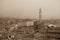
(39, 14)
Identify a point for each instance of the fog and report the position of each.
(30, 8)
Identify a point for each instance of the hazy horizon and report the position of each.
(30, 8)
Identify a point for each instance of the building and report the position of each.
(53, 33)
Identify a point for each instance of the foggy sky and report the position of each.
(30, 8)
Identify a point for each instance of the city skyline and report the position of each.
(30, 8)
